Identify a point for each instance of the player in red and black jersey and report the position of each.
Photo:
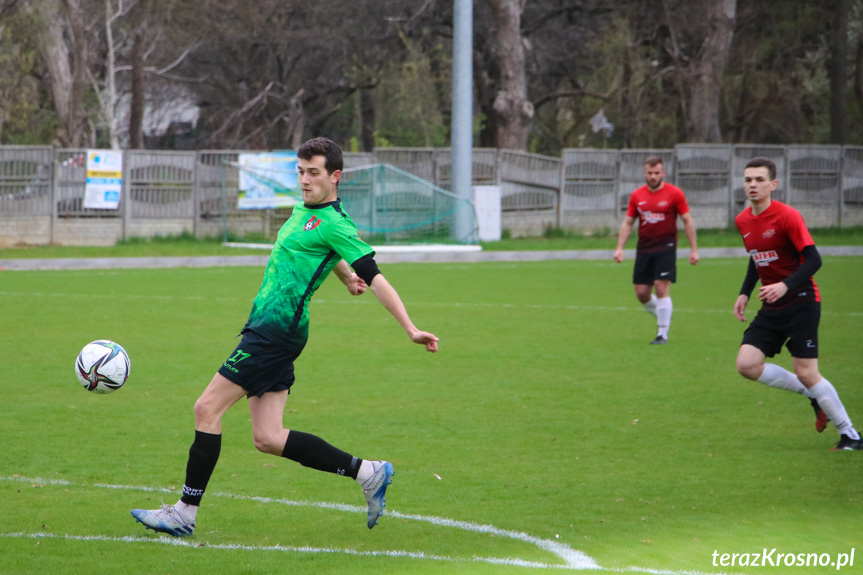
(783, 256)
(656, 205)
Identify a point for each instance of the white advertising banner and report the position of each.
(486, 200)
(268, 180)
(104, 179)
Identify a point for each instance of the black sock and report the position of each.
(312, 451)
(203, 456)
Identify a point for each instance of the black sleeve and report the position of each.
(366, 268)
(750, 280)
(810, 265)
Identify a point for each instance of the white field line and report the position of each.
(353, 301)
(574, 560)
(284, 548)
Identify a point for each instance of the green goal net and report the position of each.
(392, 206)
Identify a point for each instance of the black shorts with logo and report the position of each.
(260, 364)
(796, 326)
(653, 266)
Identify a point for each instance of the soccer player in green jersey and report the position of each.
(319, 238)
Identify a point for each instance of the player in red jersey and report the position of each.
(784, 258)
(657, 205)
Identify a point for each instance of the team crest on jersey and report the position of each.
(763, 259)
(663, 203)
(768, 233)
(313, 222)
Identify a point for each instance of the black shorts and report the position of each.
(795, 326)
(260, 364)
(654, 266)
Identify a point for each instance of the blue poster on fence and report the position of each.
(268, 180)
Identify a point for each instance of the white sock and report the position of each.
(650, 306)
(187, 512)
(663, 316)
(827, 398)
(366, 470)
(781, 378)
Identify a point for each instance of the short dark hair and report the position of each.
(762, 162)
(653, 161)
(323, 147)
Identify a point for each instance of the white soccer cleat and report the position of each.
(164, 520)
(375, 490)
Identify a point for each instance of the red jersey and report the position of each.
(774, 238)
(657, 216)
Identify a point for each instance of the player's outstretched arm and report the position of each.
(354, 283)
(390, 299)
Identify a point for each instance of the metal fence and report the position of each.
(170, 192)
(589, 188)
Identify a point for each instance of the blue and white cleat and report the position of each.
(164, 520)
(375, 490)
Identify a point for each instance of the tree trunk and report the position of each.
(77, 115)
(136, 107)
(109, 103)
(838, 54)
(858, 73)
(484, 90)
(704, 75)
(626, 108)
(367, 119)
(513, 111)
(66, 66)
(296, 121)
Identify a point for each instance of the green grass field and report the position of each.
(546, 433)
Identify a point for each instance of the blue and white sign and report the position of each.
(104, 179)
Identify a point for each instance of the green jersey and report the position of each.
(308, 247)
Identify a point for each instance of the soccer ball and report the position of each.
(102, 366)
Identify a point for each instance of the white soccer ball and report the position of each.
(102, 366)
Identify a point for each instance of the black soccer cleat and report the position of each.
(658, 340)
(821, 419)
(848, 444)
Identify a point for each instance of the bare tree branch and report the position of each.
(246, 107)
